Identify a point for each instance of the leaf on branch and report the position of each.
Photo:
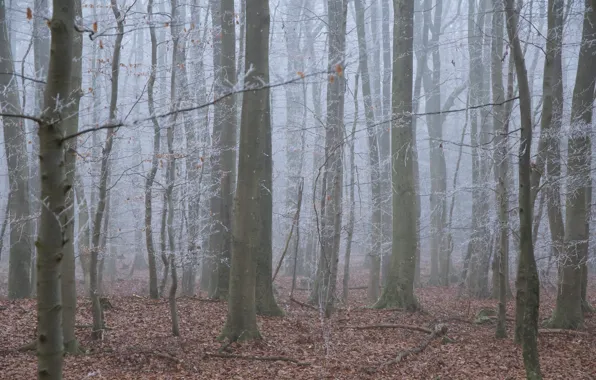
(29, 14)
(95, 27)
(167, 24)
(300, 74)
(331, 78)
(339, 70)
(100, 44)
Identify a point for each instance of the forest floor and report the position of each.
(139, 343)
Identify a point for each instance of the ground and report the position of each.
(139, 345)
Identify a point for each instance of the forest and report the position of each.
(297, 189)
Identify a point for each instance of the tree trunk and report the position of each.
(501, 144)
(224, 140)
(527, 262)
(253, 169)
(373, 158)
(568, 310)
(153, 290)
(15, 146)
(54, 223)
(478, 262)
(69, 290)
(351, 200)
(325, 286)
(84, 229)
(399, 290)
(95, 277)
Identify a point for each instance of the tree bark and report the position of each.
(399, 290)
(15, 146)
(527, 262)
(98, 324)
(250, 205)
(153, 290)
(325, 285)
(69, 290)
(54, 189)
(568, 310)
(501, 144)
(373, 159)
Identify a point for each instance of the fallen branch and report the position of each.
(439, 330)
(388, 326)
(263, 358)
(562, 331)
(303, 304)
(165, 356)
(31, 346)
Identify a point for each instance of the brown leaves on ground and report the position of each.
(139, 345)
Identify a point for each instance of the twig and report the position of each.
(165, 356)
(388, 326)
(263, 358)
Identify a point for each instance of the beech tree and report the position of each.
(254, 172)
(399, 289)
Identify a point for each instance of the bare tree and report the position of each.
(323, 293)
(241, 323)
(399, 290)
(528, 301)
(54, 188)
(15, 145)
(568, 311)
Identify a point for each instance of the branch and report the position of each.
(439, 331)
(198, 107)
(263, 358)
(25, 77)
(22, 116)
(388, 326)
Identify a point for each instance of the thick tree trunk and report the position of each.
(527, 262)
(15, 146)
(253, 169)
(54, 223)
(373, 159)
(568, 310)
(399, 290)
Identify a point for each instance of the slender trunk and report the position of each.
(325, 286)
(500, 127)
(373, 157)
(153, 291)
(527, 261)
(351, 199)
(84, 229)
(98, 324)
(69, 290)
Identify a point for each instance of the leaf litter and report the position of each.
(301, 345)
